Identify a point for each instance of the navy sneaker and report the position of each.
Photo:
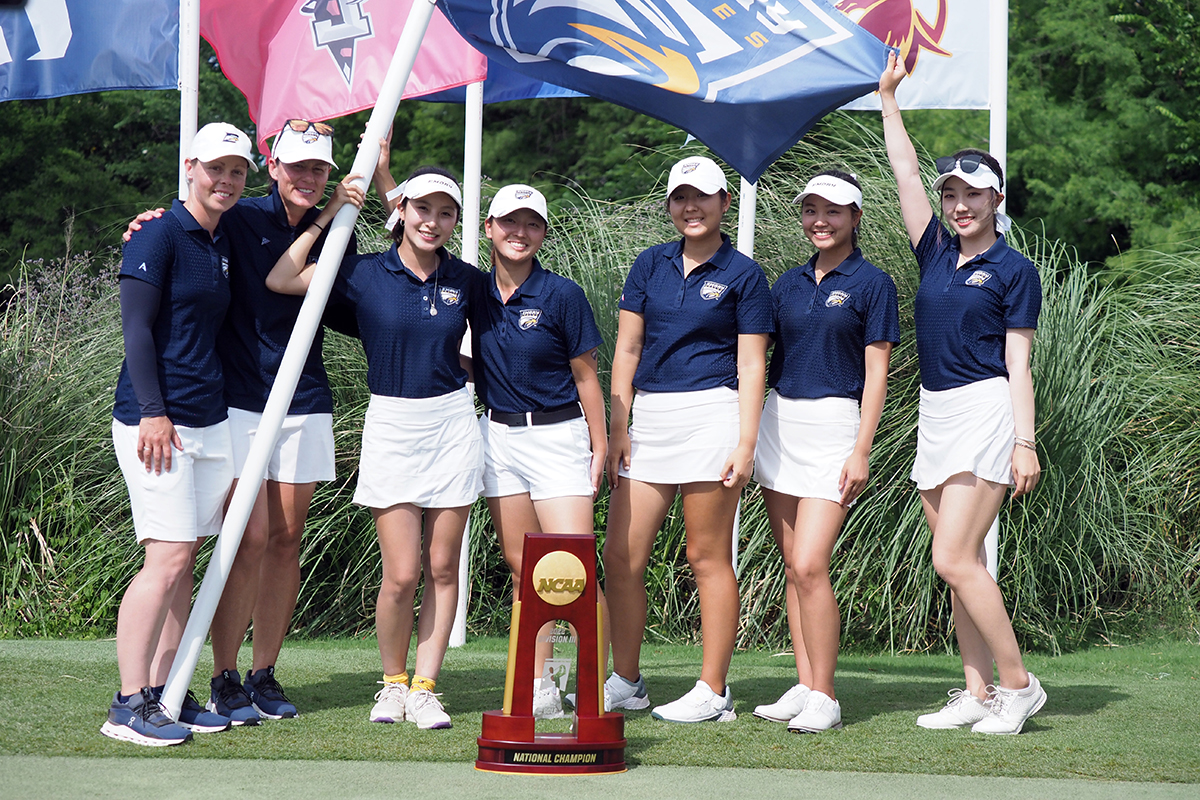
(142, 720)
(229, 699)
(267, 695)
(197, 719)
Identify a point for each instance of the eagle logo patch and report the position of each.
(711, 290)
(529, 318)
(836, 299)
(450, 296)
(979, 278)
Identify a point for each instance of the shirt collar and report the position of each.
(993, 254)
(531, 287)
(849, 265)
(720, 259)
(189, 222)
(392, 263)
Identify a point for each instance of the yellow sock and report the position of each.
(423, 683)
(401, 678)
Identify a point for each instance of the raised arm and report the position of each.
(914, 202)
(293, 272)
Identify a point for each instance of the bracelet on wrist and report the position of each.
(317, 225)
(1026, 445)
(1026, 441)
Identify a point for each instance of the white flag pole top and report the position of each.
(472, 180)
(189, 81)
(998, 147)
(998, 84)
(294, 357)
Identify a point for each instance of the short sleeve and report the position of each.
(755, 309)
(148, 254)
(1023, 297)
(580, 333)
(883, 315)
(633, 297)
(933, 243)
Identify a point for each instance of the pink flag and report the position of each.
(316, 59)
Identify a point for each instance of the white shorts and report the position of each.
(187, 502)
(544, 460)
(425, 451)
(682, 437)
(965, 429)
(303, 453)
(803, 444)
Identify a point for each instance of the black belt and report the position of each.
(560, 414)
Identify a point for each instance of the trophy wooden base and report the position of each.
(509, 744)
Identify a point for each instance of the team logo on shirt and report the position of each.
(979, 278)
(529, 318)
(837, 298)
(450, 296)
(225, 266)
(711, 290)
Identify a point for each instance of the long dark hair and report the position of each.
(398, 231)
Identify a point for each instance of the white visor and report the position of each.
(981, 178)
(836, 190)
(418, 187)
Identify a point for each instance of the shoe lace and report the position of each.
(391, 691)
(151, 710)
(269, 688)
(191, 703)
(998, 700)
(958, 697)
(423, 697)
(232, 694)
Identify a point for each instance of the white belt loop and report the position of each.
(529, 419)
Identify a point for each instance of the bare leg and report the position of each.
(960, 512)
(232, 617)
(398, 528)
(818, 523)
(781, 511)
(636, 511)
(439, 599)
(708, 512)
(279, 579)
(144, 610)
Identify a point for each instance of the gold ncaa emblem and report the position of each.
(559, 578)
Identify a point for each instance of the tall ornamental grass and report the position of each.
(1109, 534)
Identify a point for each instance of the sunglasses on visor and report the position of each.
(968, 163)
(322, 128)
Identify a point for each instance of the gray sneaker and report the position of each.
(963, 710)
(620, 693)
(1010, 708)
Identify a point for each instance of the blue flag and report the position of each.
(746, 77)
(501, 85)
(57, 47)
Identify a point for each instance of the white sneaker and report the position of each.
(547, 703)
(701, 704)
(620, 693)
(963, 709)
(786, 707)
(389, 703)
(821, 713)
(424, 708)
(1009, 708)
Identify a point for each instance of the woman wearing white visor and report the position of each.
(836, 320)
(422, 456)
(535, 343)
(976, 311)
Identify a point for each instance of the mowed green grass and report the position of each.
(1114, 713)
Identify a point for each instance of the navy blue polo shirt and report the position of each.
(822, 329)
(191, 269)
(962, 313)
(260, 322)
(523, 348)
(692, 323)
(411, 329)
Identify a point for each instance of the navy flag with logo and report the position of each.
(52, 48)
(746, 77)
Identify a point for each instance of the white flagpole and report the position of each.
(998, 146)
(189, 81)
(294, 357)
(472, 180)
(747, 214)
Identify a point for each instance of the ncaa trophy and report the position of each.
(561, 585)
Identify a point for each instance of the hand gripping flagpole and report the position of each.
(294, 357)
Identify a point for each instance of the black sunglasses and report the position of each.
(322, 128)
(968, 163)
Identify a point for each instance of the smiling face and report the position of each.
(429, 222)
(697, 215)
(970, 212)
(515, 236)
(215, 186)
(830, 227)
(301, 185)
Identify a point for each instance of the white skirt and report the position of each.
(682, 437)
(965, 429)
(803, 444)
(424, 451)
